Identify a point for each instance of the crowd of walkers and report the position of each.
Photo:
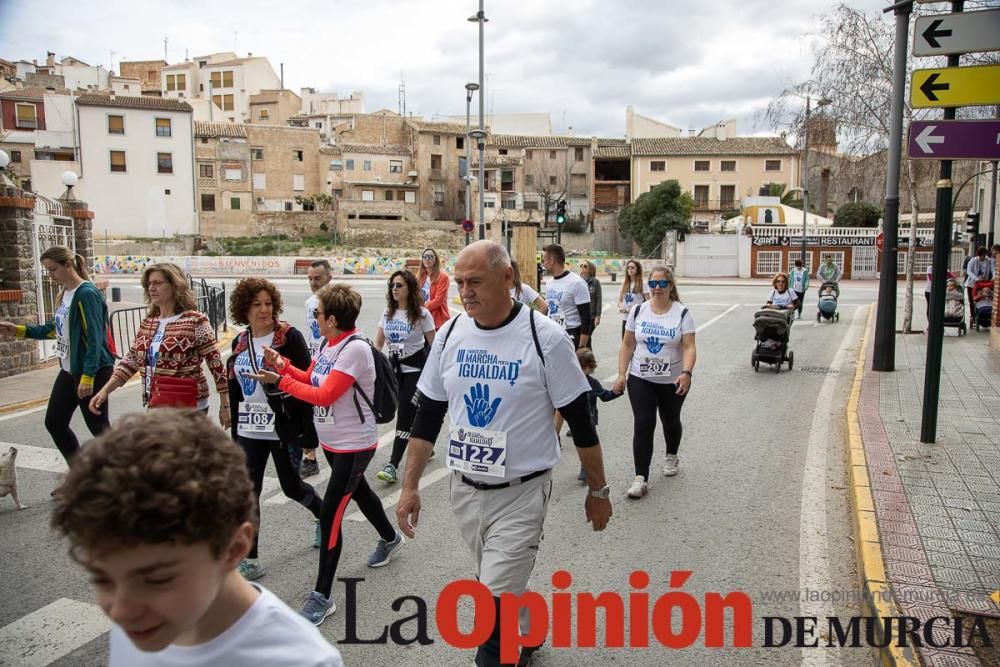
(285, 393)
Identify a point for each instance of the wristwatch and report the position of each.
(603, 493)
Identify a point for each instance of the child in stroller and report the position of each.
(826, 307)
(772, 327)
(982, 297)
(954, 306)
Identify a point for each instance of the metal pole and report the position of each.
(805, 186)
(993, 209)
(884, 352)
(468, 162)
(482, 167)
(939, 269)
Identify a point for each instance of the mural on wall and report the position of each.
(283, 266)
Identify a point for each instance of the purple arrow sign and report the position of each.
(954, 140)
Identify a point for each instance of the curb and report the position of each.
(224, 342)
(878, 600)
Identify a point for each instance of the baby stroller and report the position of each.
(954, 308)
(826, 307)
(982, 297)
(772, 327)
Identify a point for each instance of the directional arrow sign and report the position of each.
(955, 86)
(957, 33)
(955, 139)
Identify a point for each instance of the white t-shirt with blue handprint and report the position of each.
(62, 329)
(657, 357)
(563, 295)
(495, 384)
(254, 417)
(402, 338)
(314, 339)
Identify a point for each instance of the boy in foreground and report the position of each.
(160, 510)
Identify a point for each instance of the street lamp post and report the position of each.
(805, 176)
(481, 19)
(469, 89)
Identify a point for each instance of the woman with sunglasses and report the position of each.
(656, 359)
(434, 287)
(408, 328)
(633, 291)
(782, 298)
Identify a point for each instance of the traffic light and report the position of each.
(561, 212)
(972, 224)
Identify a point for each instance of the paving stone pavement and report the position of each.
(937, 505)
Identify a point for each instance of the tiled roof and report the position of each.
(235, 130)
(28, 93)
(704, 146)
(123, 101)
(493, 161)
(443, 128)
(528, 141)
(620, 151)
(372, 149)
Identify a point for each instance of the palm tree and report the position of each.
(788, 197)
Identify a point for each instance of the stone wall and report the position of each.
(293, 223)
(18, 301)
(443, 236)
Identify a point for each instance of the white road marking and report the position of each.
(23, 413)
(814, 555)
(49, 633)
(324, 474)
(612, 378)
(393, 498)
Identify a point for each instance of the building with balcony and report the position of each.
(440, 162)
(284, 166)
(372, 182)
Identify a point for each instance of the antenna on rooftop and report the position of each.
(165, 50)
(236, 42)
(402, 95)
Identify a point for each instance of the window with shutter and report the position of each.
(117, 161)
(116, 124)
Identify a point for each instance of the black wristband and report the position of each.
(687, 372)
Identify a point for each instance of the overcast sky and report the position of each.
(684, 63)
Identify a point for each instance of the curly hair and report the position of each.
(183, 296)
(413, 297)
(780, 274)
(246, 291)
(166, 476)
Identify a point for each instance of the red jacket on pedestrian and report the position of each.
(437, 303)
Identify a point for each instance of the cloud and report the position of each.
(686, 64)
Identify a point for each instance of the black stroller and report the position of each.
(773, 327)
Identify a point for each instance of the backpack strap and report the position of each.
(451, 327)
(534, 335)
(357, 387)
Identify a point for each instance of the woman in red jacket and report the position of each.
(434, 285)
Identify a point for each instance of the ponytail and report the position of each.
(80, 265)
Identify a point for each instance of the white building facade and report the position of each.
(137, 165)
(223, 78)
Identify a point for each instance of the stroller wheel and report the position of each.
(791, 359)
(756, 365)
(753, 359)
(961, 329)
(818, 317)
(836, 317)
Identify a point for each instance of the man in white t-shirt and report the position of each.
(978, 268)
(320, 274)
(568, 296)
(164, 568)
(499, 372)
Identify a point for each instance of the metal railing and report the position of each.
(210, 300)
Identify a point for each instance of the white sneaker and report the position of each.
(638, 489)
(670, 465)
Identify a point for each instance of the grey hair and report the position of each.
(497, 258)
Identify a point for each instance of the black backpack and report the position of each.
(383, 403)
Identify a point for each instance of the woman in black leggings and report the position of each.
(265, 421)
(408, 330)
(79, 328)
(655, 361)
(339, 383)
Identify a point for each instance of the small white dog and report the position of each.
(8, 476)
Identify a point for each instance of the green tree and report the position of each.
(788, 197)
(663, 208)
(858, 214)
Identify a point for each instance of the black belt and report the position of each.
(483, 486)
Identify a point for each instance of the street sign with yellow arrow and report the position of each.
(955, 86)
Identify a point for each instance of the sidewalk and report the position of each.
(32, 388)
(928, 515)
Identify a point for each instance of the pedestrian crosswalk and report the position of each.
(49, 633)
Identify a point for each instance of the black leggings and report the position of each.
(63, 401)
(347, 480)
(257, 451)
(404, 416)
(647, 399)
(801, 299)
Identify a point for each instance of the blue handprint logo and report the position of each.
(553, 307)
(654, 344)
(478, 407)
(314, 328)
(395, 337)
(60, 322)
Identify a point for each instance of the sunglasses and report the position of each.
(397, 286)
(662, 283)
(316, 314)
(429, 256)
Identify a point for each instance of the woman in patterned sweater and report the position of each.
(172, 342)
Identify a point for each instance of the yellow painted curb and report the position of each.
(221, 346)
(871, 565)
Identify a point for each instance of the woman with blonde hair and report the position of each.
(655, 362)
(434, 286)
(524, 293)
(80, 328)
(632, 292)
(782, 297)
(170, 347)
